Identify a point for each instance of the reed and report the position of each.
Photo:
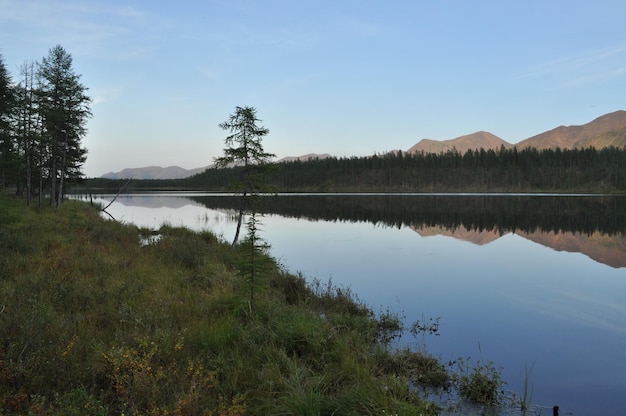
(527, 392)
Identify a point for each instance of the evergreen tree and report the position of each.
(253, 255)
(65, 109)
(9, 159)
(245, 150)
(29, 128)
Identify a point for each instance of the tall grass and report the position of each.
(527, 392)
(93, 322)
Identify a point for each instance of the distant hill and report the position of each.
(604, 131)
(154, 172)
(474, 141)
(303, 158)
(176, 172)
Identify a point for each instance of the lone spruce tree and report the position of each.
(244, 151)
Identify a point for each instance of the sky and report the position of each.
(344, 77)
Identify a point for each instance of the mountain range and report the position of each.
(605, 131)
(176, 172)
(154, 172)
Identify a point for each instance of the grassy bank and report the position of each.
(93, 322)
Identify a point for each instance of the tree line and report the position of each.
(502, 170)
(43, 118)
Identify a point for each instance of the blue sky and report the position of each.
(340, 77)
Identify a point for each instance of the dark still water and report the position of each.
(533, 283)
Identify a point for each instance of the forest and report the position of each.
(43, 118)
(586, 170)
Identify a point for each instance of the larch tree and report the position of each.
(244, 150)
(9, 159)
(65, 108)
(29, 127)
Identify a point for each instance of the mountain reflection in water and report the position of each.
(592, 225)
(603, 248)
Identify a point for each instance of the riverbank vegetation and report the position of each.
(102, 318)
(505, 170)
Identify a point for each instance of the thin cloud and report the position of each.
(103, 95)
(362, 28)
(599, 76)
(208, 73)
(232, 5)
(93, 29)
(56, 14)
(593, 66)
(292, 83)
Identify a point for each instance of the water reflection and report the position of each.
(591, 225)
(609, 249)
(478, 262)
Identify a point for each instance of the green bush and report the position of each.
(479, 384)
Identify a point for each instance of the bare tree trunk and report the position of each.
(242, 208)
(252, 247)
(60, 198)
(53, 181)
(112, 201)
(40, 196)
(29, 189)
(28, 126)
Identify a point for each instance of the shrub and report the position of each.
(479, 384)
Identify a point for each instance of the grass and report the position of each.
(527, 393)
(93, 322)
(479, 383)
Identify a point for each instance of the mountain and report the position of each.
(611, 138)
(306, 157)
(176, 172)
(606, 130)
(154, 172)
(474, 141)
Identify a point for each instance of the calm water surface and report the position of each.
(550, 300)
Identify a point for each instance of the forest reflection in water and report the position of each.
(591, 225)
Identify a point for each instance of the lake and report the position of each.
(534, 283)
